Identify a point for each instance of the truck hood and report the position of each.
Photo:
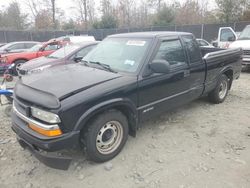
(38, 62)
(245, 44)
(64, 81)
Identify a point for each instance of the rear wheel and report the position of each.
(17, 66)
(219, 94)
(106, 135)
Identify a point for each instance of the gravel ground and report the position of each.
(197, 145)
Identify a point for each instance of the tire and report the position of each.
(106, 135)
(219, 94)
(17, 63)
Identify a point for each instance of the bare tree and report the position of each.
(33, 6)
(86, 11)
(156, 4)
(53, 8)
(189, 13)
(125, 10)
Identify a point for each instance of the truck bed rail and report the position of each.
(223, 53)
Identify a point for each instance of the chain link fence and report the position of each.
(205, 31)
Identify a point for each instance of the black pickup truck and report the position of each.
(125, 80)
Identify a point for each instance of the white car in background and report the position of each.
(77, 39)
(226, 36)
(244, 42)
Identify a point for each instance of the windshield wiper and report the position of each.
(84, 62)
(104, 66)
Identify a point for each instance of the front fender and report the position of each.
(81, 123)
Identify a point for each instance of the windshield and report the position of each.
(121, 54)
(35, 48)
(61, 53)
(245, 35)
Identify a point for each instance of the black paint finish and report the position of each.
(83, 91)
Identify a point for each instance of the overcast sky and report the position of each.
(67, 4)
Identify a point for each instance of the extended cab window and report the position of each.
(192, 48)
(171, 51)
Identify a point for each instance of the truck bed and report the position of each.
(217, 60)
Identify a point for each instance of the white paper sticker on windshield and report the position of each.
(129, 62)
(136, 43)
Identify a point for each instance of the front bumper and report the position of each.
(37, 143)
(56, 162)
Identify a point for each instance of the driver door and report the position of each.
(226, 37)
(161, 92)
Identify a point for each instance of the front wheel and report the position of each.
(219, 94)
(17, 66)
(106, 135)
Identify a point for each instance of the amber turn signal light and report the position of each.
(49, 133)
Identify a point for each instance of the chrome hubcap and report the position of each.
(223, 89)
(109, 137)
(18, 67)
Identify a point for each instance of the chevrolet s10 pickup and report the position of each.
(125, 80)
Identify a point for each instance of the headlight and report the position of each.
(45, 116)
(12, 66)
(39, 69)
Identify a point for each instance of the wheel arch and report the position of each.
(123, 105)
(230, 74)
(20, 59)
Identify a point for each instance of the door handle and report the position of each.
(186, 73)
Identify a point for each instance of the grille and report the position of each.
(21, 108)
(246, 52)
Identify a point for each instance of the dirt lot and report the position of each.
(199, 145)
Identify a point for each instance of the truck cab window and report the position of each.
(171, 51)
(227, 35)
(192, 48)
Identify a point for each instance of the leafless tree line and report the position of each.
(86, 14)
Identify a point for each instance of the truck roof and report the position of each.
(150, 34)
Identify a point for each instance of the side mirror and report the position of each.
(7, 50)
(231, 39)
(77, 59)
(160, 66)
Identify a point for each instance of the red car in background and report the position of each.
(39, 50)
